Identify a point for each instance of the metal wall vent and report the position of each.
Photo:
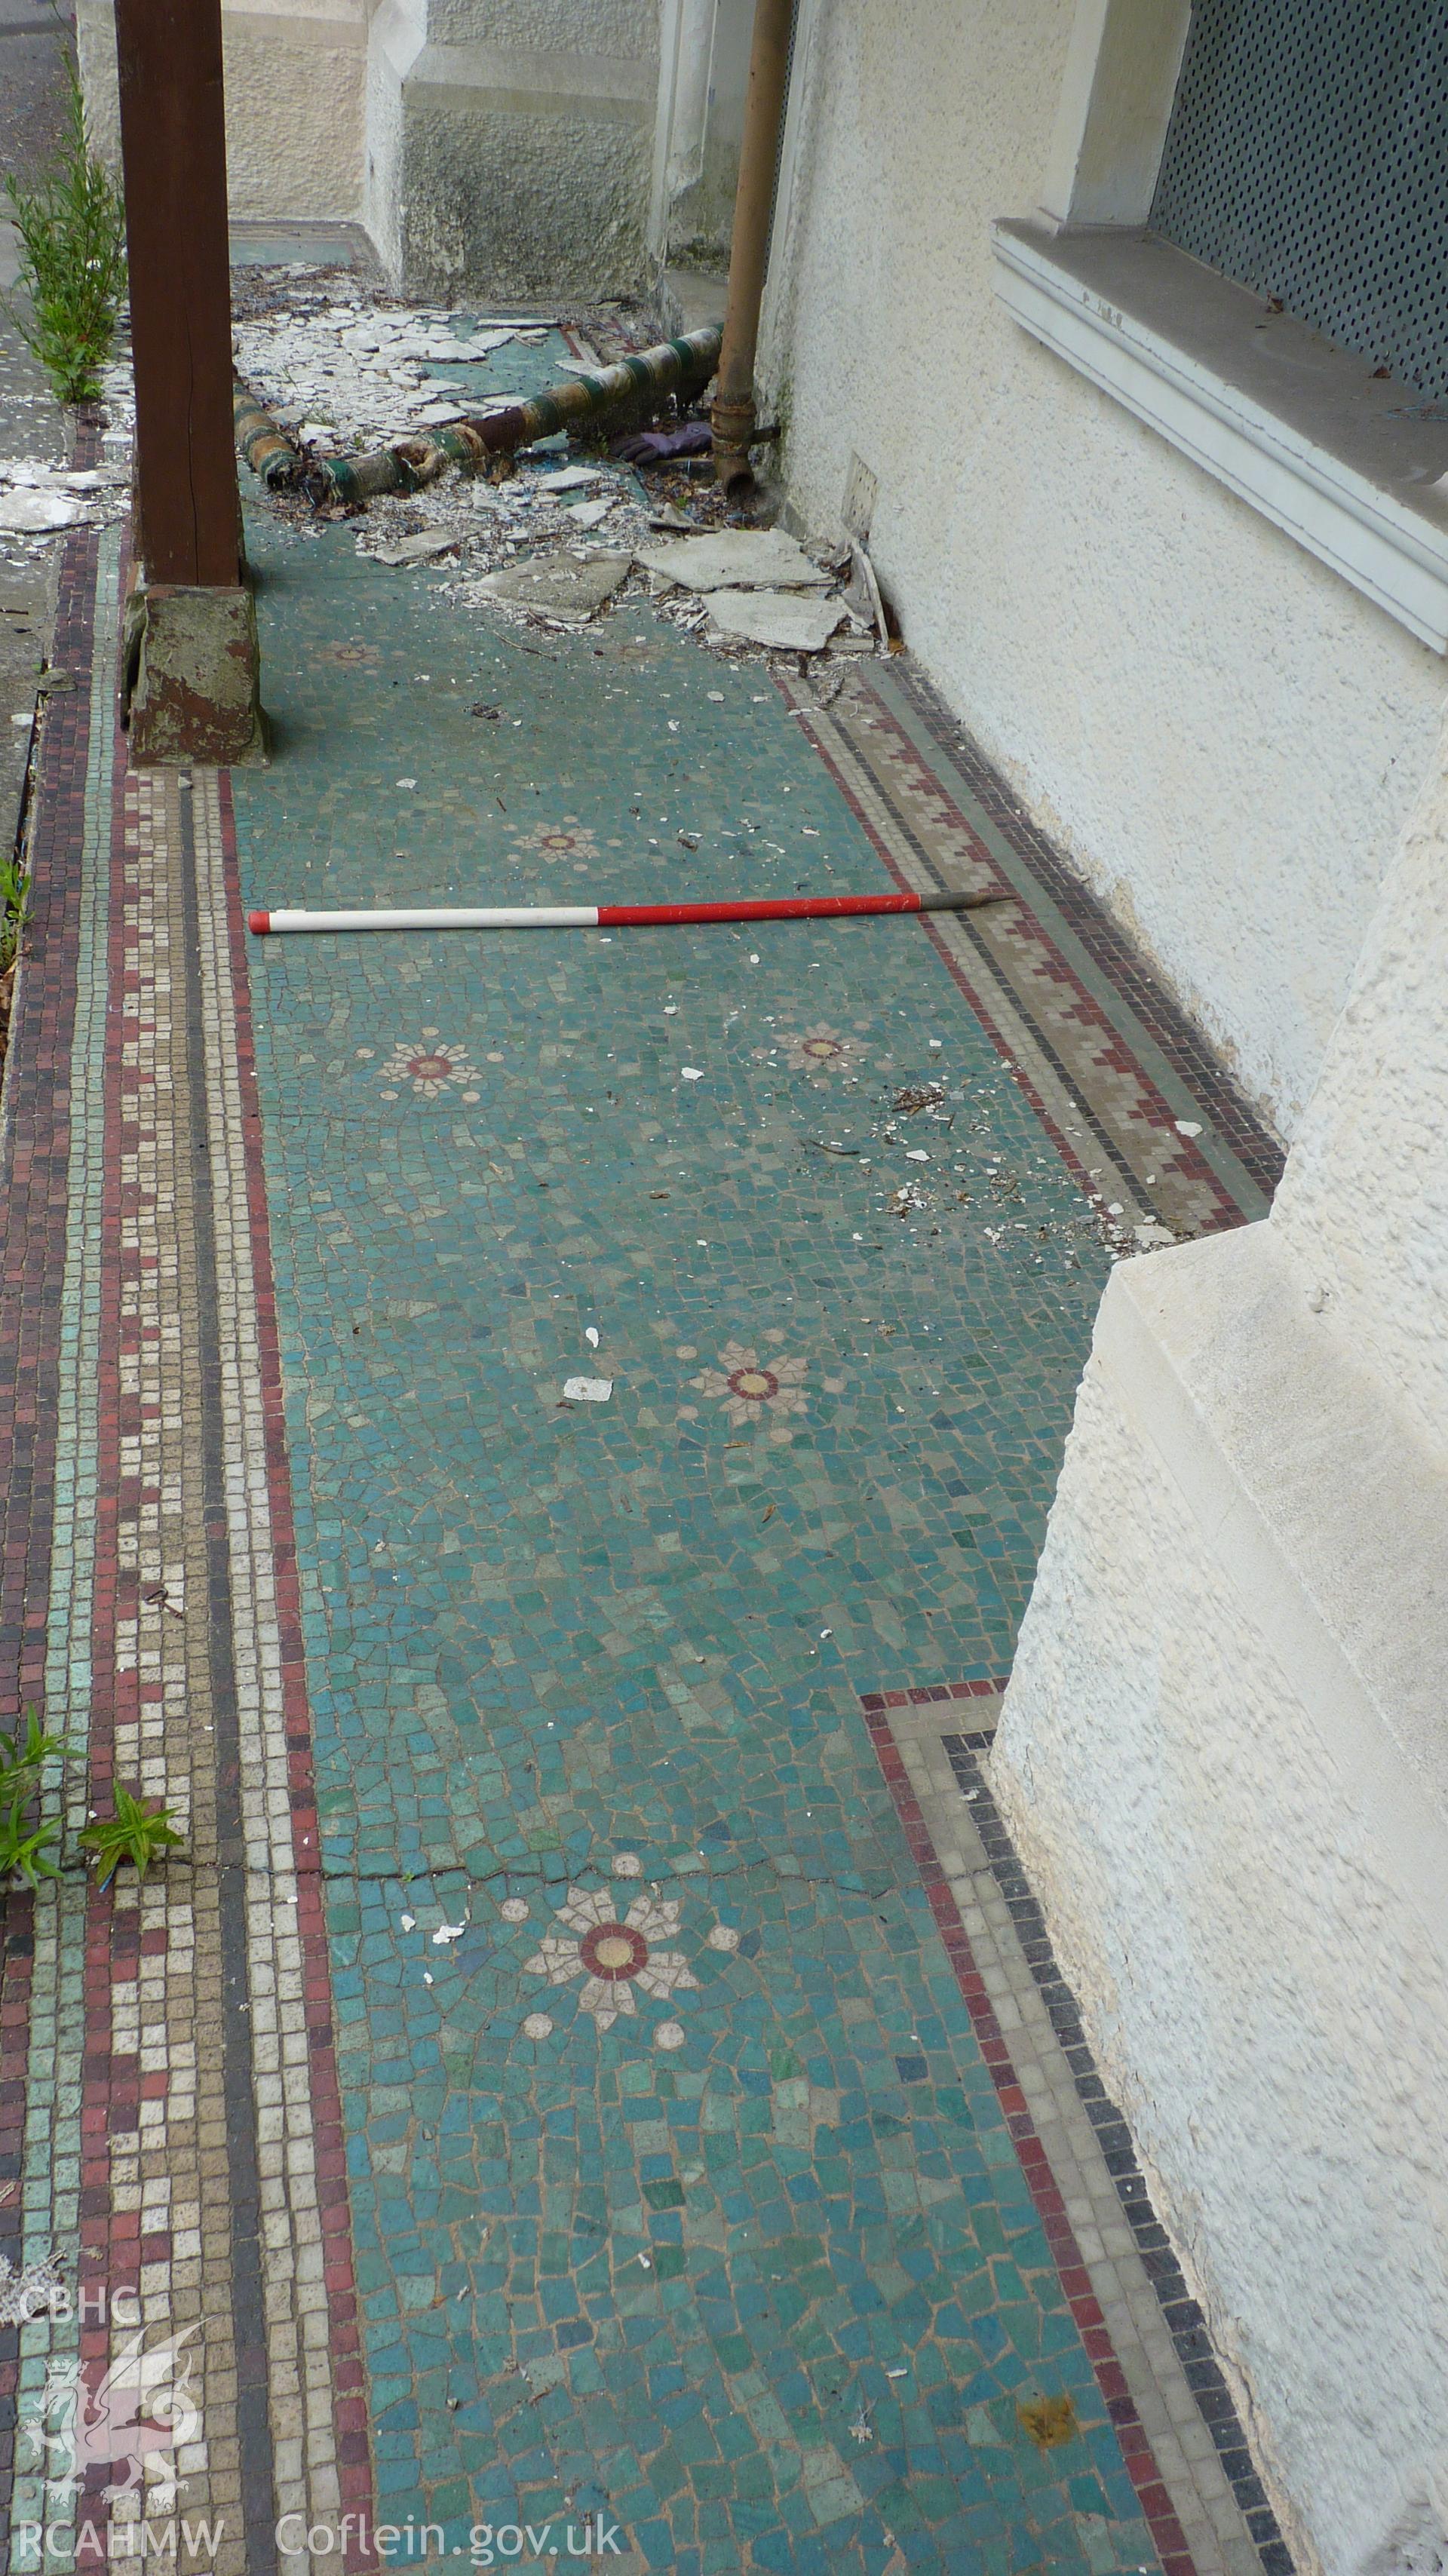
(1307, 157)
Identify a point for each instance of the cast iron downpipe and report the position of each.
(733, 410)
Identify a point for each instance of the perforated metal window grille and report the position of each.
(1307, 157)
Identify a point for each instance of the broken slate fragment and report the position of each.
(737, 559)
(414, 550)
(786, 620)
(587, 1390)
(567, 587)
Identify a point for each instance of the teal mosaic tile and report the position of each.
(676, 2177)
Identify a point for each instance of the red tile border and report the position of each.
(1071, 2269)
(354, 2460)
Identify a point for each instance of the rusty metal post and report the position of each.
(733, 407)
(195, 695)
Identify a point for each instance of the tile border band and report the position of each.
(1136, 2451)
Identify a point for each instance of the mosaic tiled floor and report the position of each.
(578, 2087)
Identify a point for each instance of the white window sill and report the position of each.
(1347, 466)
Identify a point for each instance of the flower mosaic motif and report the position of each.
(614, 1954)
(817, 1050)
(745, 1384)
(559, 840)
(429, 1068)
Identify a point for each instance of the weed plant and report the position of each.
(72, 229)
(23, 1842)
(14, 909)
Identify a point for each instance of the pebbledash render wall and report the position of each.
(510, 143)
(295, 96)
(507, 146)
(1224, 734)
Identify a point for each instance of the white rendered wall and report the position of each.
(1224, 1757)
(1363, 1207)
(1224, 736)
(295, 72)
(704, 73)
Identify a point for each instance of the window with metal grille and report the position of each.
(1307, 157)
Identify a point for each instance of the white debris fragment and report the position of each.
(1189, 1126)
(736, 559)
(692, 1072)
(412, 550)
(32, 513)
(782, 620)
(570, 478)
(590, 1334)
(567, 589)
(447, 1932)
(409, 1922)
(587, 1390)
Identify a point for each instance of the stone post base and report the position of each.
(192, 677)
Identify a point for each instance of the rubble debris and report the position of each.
(591, 514)
(787, 621)
(587, 1390)
(737, 559)
(369, 367)
(413, 550)
(682, 365)
(862, 598)
(569, 588)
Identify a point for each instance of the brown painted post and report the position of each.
(173, 148)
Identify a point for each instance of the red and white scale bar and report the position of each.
(617, 916)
